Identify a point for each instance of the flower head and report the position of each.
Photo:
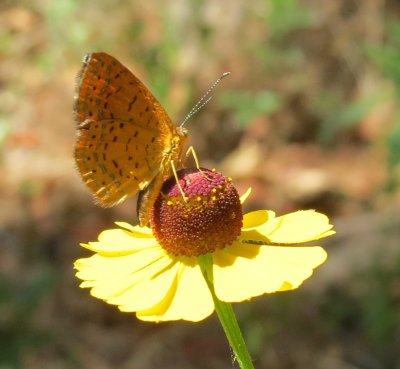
(157, 272)
(208, 218)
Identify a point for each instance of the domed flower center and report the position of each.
(209, 218)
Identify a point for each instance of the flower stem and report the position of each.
(230, 325)
(227, 319)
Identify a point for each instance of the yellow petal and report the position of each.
(87, 284)
(134, 282)
(238, 277)
(137, 230)
(257, 218)
(245, 196)
(148, 288)
(188, 299)
(297, 227)
(105, 269)
(114, 242)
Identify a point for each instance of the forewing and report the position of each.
(123, 132)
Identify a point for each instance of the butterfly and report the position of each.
(126, 142)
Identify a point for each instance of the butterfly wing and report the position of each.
(123, 133)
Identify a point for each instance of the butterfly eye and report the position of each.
(183, 131)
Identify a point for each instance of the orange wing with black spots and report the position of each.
(125, 139)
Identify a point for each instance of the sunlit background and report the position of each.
(309, 118)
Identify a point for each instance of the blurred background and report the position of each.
(309, 118)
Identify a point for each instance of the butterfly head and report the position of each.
(182, 131)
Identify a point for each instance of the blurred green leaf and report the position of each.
(284, 16)
(393, 157)
(18, 302)
(387, 54)
(381, 309)
(248, 105)
(340, 117)
(393, 144)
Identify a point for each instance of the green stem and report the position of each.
(227, 319)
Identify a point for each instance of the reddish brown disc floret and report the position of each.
(210, 218)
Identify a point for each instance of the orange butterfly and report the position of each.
(126, 141)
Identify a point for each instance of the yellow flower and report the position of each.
(131, 269)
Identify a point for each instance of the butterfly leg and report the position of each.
(177, 181)
(191, 151)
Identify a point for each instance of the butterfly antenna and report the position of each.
(202, 102)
